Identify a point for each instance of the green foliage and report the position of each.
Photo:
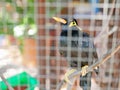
(20, 10)
(51, 0)
(26, 16)
(26, 13)
(10, 1)
(6, 23)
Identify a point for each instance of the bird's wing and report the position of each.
(86, 44)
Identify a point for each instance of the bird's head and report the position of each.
(73, 23)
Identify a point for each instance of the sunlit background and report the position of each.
(29, 47)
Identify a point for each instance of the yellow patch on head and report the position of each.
(73, 23)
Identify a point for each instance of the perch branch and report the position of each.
(109, 54)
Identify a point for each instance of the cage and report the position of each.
(29, 26)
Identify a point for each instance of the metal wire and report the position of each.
(99, 18)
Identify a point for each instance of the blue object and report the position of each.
(94, 7)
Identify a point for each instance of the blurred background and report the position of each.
(29, 44)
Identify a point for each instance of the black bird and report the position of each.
(78, 48)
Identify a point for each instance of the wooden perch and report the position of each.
(109, 54)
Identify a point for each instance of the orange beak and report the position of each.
(59, 20)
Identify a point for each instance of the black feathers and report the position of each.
(78, 48)
(78, 44)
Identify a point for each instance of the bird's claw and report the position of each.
(96, 68)
(84, 70)
(67, 74)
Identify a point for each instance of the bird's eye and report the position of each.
(74, 23)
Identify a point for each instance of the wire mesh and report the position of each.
(37, 41)
(92, 17)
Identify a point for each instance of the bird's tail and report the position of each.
(85, 81)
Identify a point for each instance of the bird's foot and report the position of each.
(67, 74)
(96, 68)
(84, 70)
